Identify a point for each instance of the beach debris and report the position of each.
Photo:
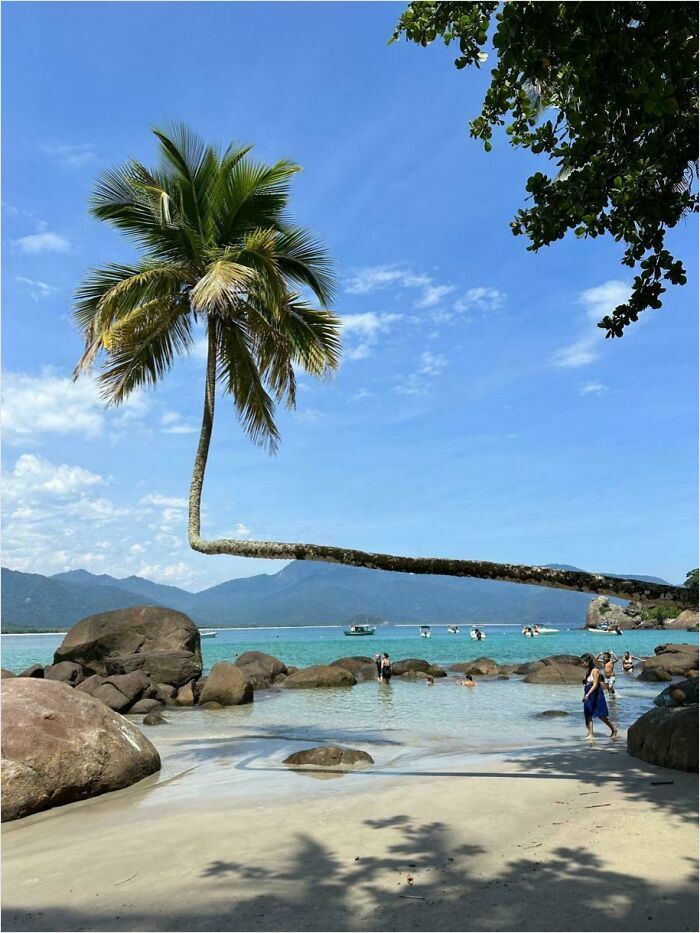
(130, 878)
(413, 897)
(593, 806)
(585, 793)
(659, 783)
(409, 879)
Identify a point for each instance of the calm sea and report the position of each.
(389, 719)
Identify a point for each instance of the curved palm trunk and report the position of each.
(509, 573)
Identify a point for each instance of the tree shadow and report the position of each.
(427, 877)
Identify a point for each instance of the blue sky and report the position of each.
(478, 412)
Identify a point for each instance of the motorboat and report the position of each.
(548, 631)
(208, 633)
(453, 630)
(477, 634)
(605, 631)
(360, 630)
(425, 631)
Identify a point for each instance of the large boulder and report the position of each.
(34, 670)
(556, 673)
(409, 664)
(261, 669)
(687, 621)
(684, 693)
(655, 675)
(60, 745)
(162, 643)
(227, 685)
(360, 666)
(484, 667)
(319, 675)
(329, 756)
(602, 612)
(675, 660)
(666, 737)
(67, 672)
(6, 675)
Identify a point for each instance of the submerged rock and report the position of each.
(552, 714)
(328, 756)
(146, 706)
(154, 718)
(228, 685)
(483, 667)
(666, 737)
(60, 745)
(319, 675)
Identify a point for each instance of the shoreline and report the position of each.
(450, 841)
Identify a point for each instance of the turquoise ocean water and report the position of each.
(445, 718)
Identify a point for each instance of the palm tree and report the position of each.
(219, 249)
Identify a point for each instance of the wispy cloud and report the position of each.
(172, 422)
(593, 388)
(418, 383)
(362, 331)
(69, 155)
(375, 278)
(43, 242)
(35, 287)
(596, 302)
(433, 295)
(482, 298)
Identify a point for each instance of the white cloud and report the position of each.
(484, 299)
(240, 530)
(36, 288)
(374, 278)
(44, 242)
(418, 383)
(69, 155)
(172, 422)
(45, 404)
(34, 475)
(433, 295)
(157, 499)
(597, 302)
(364, 330)
(593, 388)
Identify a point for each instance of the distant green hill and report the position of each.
(302, 592)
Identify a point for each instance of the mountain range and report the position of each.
(301, 593)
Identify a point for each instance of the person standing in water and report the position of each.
(609, 659)
(594, 704)
(628, 662)
(378, 665)
(386, 669)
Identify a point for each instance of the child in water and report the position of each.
(468, 681)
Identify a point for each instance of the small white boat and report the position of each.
(453, 630)
(210, 633)
(605, 631)
(360, 630)
(425, 631)
(477, 634)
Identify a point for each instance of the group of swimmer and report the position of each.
(383, 664)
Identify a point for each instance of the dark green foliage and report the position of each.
(608, 92)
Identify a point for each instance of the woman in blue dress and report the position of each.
(594, 703)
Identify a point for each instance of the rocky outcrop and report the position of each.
(602, 612)
(228, 685)
(65, 672)
(6, 675)
(34, 670)
(361, 667)
(60, 745)
(555, 672)
(162, 643)
(684, 693)
(329, 756)
(673, 660)
(398, 668)
(484, 667)
(186, 695)
(319, 675)
(687, 621)
(261, 669)
(666, 737)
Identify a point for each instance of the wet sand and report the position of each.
(565, 836)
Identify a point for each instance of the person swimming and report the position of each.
(467, 682)
(628, 662)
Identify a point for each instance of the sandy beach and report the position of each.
(565, 836)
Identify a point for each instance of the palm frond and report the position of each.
(222, 287)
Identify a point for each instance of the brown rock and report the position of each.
(481, 666)
(131, 685)
(551, 714)
(112, 697)
(684, 693)
(161, 642)
(409, 664)
(6, 674)
(211, 704)
(145, 705)
(91, 683)
(666, 737)
(556, 674)
(165, 693)
(319, 675)
(34, 670)
(66, 672)
(185, 695)
(228, 685)
(154, 718)
(435, 671)
(60, 745)
(328, 756)
(654, 674)
(266, 662)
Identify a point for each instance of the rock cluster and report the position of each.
(328, 756)
(602, 612)
(60, 745)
